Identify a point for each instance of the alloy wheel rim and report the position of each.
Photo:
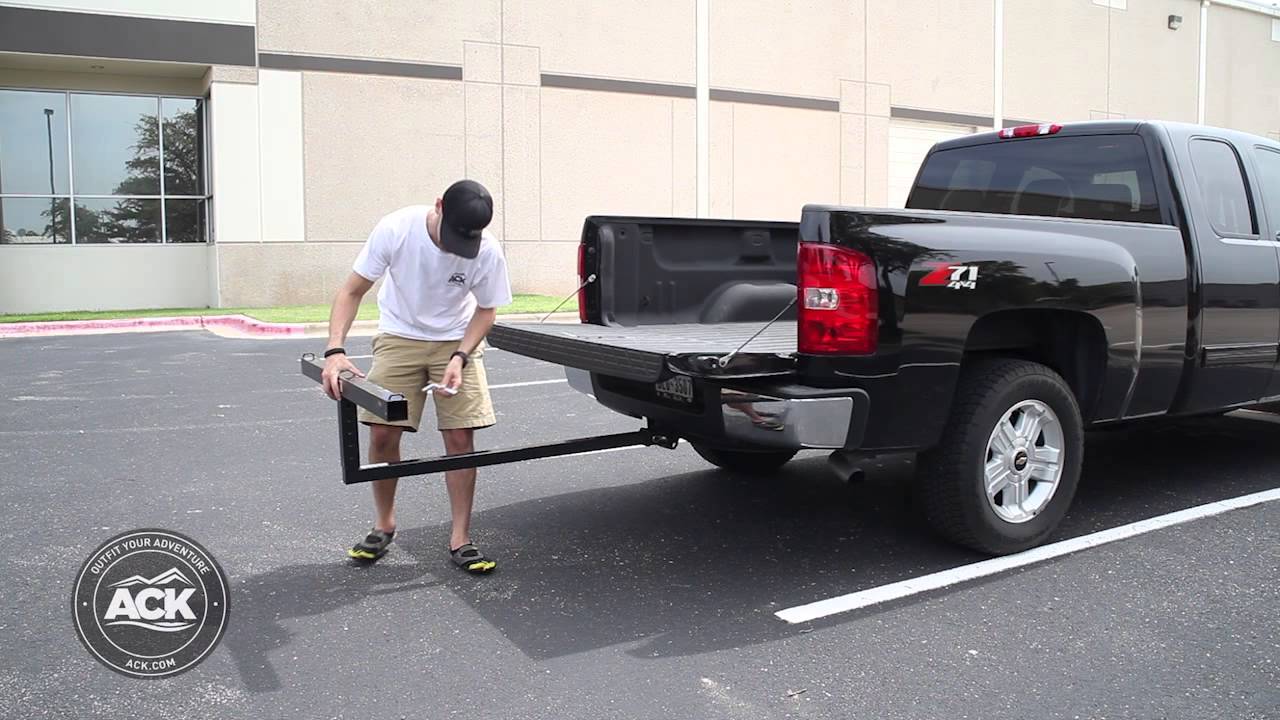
(1023, 463)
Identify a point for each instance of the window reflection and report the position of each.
(34, 220)
(123, 220)
(185, 220)
(95, 168)
(183, 144)
(33, 143)
(115, 142)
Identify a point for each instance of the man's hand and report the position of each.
(334, 365)
(453, 374)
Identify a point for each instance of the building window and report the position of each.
(102, 168)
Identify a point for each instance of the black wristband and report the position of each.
(466, 359)
(335, 351)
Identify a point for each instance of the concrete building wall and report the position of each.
(934, 54)
(404, 30)
(83, 79)
(1152, 70)
(40, 278)
(373, 144)
(566, 109)
(629, 39)
(1059, 75)
(266, 273)
(1243, 82)
(777, 160)
(805, 47)
(222, 11)
(235, 162)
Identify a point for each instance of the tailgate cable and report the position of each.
(590, 279)
(723, 362)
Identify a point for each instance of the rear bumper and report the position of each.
(781, 416)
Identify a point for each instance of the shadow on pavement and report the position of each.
(700, 562)
(261, 602)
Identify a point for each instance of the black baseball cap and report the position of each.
(466, 211)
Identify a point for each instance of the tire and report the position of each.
(749, 462)
(951, 485)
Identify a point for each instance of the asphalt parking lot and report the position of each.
(638, 583)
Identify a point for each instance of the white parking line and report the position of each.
(934, 581)
(493, 387)
(527, 384)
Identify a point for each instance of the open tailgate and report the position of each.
(650, 353)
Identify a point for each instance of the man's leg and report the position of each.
(384, 446)
(458, 417)
(461, 485)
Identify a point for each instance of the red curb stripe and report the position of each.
(241, 323)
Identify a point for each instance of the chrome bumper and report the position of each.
(761, 420)
(786, 422)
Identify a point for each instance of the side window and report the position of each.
(1222, 187)
(1269, 179)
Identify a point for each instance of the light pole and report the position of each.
(53, 201)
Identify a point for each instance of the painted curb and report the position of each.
(235, 323)
(239, 323)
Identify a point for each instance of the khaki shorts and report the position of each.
(404, 366)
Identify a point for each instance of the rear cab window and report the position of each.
(1268, 161)
(1096, 177)
(1226, 201)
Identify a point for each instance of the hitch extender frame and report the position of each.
(393, 406)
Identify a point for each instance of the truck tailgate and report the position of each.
(643, 353)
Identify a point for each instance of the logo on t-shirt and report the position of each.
(458, 279)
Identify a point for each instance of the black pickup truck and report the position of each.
(1043, 281)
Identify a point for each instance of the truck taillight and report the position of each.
(839, 305)
(582, 282)
(1030, 130)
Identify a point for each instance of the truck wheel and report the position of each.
(1006, 469)
(750, 462)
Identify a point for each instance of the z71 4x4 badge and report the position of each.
(956, 277)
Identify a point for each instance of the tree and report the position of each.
(88, 222)
(138, 220)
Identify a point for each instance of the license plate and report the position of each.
(678, 388)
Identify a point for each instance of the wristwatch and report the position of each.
(466, 358)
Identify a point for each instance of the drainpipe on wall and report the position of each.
(997, 111)
(1204, 43)
(702, 102)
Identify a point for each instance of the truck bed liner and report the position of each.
(638, 353)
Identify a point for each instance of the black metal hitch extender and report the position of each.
(393, 406)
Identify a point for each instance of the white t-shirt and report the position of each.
(429, 294)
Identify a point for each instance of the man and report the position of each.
(444, 276)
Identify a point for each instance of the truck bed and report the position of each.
(642, 353)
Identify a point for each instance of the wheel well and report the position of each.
(1072, 343)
